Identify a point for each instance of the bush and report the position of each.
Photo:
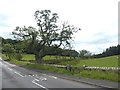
(19, 57)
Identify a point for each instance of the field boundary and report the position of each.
(117, 69)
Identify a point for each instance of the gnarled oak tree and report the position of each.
(48, 34)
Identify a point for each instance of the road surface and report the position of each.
(18, 77)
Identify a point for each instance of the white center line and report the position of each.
(39, 84)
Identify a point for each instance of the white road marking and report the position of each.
(37, 80)
(53, 77)
(43, 74)
(30, 75)
(33, 75)
(39, 84)
(10, 69)
(42, 78)
(18, 74)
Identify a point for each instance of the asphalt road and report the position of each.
(18, 77)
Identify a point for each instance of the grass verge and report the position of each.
(111, 76)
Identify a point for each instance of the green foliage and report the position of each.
(19, 47)
(70, 53)
(19, 57)
(9, 51)
(84, 54)
(48, 34)
(113, 50)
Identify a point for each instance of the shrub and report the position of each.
(19, 57)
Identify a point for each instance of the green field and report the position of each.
(49, 58)
(111, 61)
(28, 57)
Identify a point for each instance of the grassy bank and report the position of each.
(111, 76)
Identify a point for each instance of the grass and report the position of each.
(14, 61)
(55, 59)
(48, 57)
(111, 61)
(111, 76)
(28, 57)
(48, 68)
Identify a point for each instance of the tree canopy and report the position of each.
(48, 34)
(84, 54)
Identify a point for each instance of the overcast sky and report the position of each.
(98, 19)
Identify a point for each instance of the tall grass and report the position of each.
(111, 76)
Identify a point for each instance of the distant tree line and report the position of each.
(113, 50)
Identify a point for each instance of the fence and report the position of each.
(69, 67)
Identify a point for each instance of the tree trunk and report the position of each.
(39, 56)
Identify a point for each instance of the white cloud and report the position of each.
(92, 16)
